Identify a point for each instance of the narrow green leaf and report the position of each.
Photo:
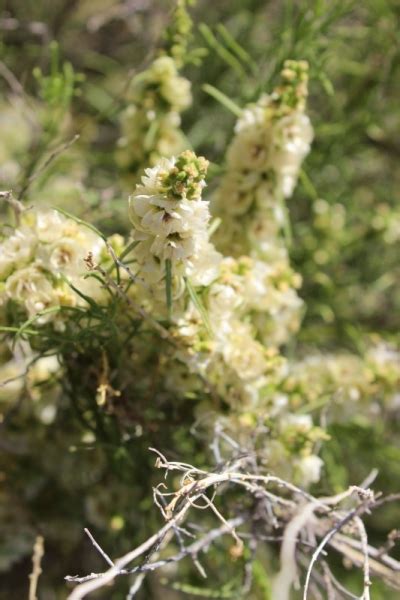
(287, 227)
(79, 221)
(129, 247)
(4, 329)
(222, 99)
(326, 84)
(199, 305)
(234, 46)
(87, 299)
(24, 327)
(308, 185)
(261, 580)
(214, 226)
(168, 285)
(221, 50)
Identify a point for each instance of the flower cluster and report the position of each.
(151, 123)
(252, 305)
(170, 224)
(236, 313)
(42, 264)
(263, 160)
(341, 382)
(242, 310)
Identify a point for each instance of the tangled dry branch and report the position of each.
(282, 512)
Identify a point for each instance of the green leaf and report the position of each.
(80, 221)
(308, 185)
(129, 247)
(221, 50)
(87, 299)
(4, 329)
(287, 227)
(199, 305)
(222, 99)
(261, 580)
(24, 328)
(168, 285)
(234, 46)
(214, 226)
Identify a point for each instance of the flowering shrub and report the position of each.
(204, 317)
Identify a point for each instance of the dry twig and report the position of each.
(38, 552)
(302, 518)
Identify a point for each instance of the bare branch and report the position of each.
(98, 548)
(302, 518)
(38, 552)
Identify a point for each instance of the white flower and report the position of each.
(17, 250)
(220, 310)
(170, 221)
(293, 135)
(237, 192)
(253, 114)
(249, 149)
(243, 353)
(175, 247)
(46, 249)
(272, 138)
(174, 88)
(43, 368)
(65, 255)
(382, 354)
(292, 139)
(309, 469)
(151, 124)
(31, 287)
(204, 267)
(47, 414)
(160, 217)
(11, 381)
(171, 140)
(302, 423)
(48, 225)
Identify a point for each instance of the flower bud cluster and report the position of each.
(151, 123)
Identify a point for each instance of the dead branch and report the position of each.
(38, 552)
(334, 520)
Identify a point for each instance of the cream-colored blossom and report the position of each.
(308, 469)
(170, 221)
(173, 88)
(272, 138)
(17, 250)
(11, 381)
(31, 287)
(243, 353)
(41, 257)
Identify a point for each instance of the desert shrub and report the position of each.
(199, 279)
